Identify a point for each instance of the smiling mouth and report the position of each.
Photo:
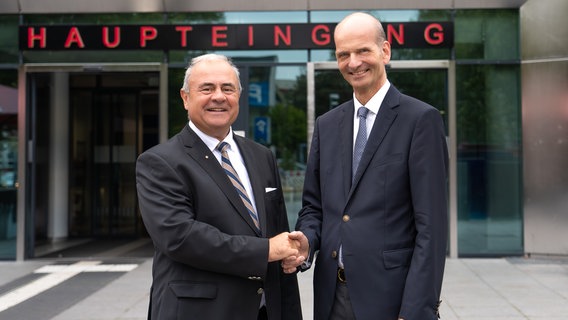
(359, 73)
(216, 110)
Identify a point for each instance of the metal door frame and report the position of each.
(448, 65)
(25, 145)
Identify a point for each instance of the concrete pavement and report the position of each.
(480, 289)
(505, 289)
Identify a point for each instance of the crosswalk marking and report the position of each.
(56, 274)
(92, 268)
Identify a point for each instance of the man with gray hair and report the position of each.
(213, 205)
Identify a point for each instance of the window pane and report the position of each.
(277, 119)
(8, 163)
(487, 34)
(489, 160)
(8, 39)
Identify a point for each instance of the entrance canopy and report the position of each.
(106, 6)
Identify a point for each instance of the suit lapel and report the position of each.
(199, 151)
(346, 141)
(382, 124)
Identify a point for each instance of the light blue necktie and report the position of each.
(234, 177)
(361, 139)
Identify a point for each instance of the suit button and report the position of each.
(345, 218)
(260, 291)
(334, 254)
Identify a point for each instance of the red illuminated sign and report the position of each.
(221, 36)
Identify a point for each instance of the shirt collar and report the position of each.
(212, 142)
(375, 102)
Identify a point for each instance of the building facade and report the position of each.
(87, 86)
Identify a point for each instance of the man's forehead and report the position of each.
(213, 78)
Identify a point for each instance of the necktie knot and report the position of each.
(222, 146)
(362, 112)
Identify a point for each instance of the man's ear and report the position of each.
(386, 48)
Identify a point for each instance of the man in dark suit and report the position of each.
(217, 239)
(380, 226)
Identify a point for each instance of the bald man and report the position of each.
(375, 218)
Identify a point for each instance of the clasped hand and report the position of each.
(291, 248)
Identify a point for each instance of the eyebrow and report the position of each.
(212, 84)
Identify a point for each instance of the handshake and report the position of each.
(291, 248)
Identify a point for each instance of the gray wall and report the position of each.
(544, 45)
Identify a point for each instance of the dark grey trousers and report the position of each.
(342, 309)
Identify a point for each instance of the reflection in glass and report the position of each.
(8, 164)
(277, 119)
(489, 161)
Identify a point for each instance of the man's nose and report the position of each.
(354, 61)
(218, 94)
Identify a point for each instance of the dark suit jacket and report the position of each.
(209, 261)
(391, 222)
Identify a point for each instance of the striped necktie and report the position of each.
(234, 177)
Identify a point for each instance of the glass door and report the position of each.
(114, 157)
(85, 126)
(113, 120)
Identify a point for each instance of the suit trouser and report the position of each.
(342, 309)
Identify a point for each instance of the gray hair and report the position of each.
(209, 57)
